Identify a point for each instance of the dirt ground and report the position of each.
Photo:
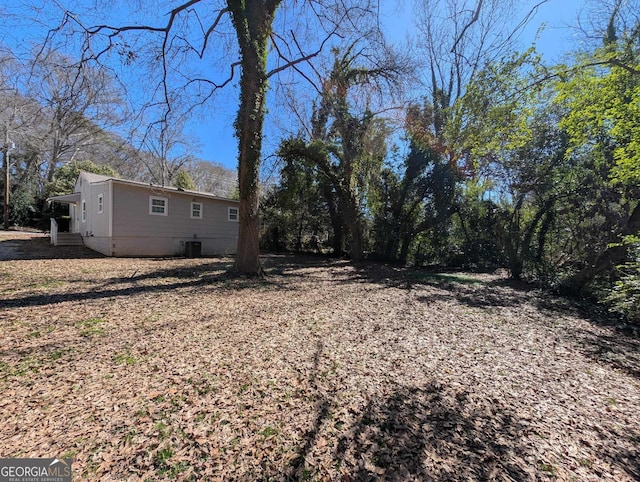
(167, 369)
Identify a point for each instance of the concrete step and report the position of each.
(69, 239)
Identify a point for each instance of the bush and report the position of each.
(624, 296)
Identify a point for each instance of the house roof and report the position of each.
(91, 177)
(66, 198)
(96, 178)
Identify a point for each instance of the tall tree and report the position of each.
(413, 200)
(188, 35)
(346, 144)
(253, 23)
(78, 103)
(602, 93)
(164, 151)
(21, 131)
(508, 132)
(458, 38)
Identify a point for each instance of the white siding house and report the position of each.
(117, 217)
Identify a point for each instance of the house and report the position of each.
(117, 217)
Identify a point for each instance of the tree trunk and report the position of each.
(7, 190)
(299, 235)
(354, 225)
(252, 21)
(516, 266)
(355, 232)
(519, 250)
(248, 252)
(249, 131)
(335, 217)
(404, 248)
(605, 261)
(338, 238)
(392, 245)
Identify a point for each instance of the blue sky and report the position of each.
(554, 40)
(558, 19)
(213, 130)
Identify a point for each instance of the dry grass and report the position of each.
(145, 369)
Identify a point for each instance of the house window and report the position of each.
(233, 214)
(100, 203)
(84, 211)
(196, 210)
(158, 206)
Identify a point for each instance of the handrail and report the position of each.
(54, 232)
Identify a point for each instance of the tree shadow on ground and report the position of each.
(293, 265)
(39, 247)
(208, 275)
(214, 269)
(429, 433)
(628, 460)
(434, 433)
(321, 414)
(470, 289)
(616, 349)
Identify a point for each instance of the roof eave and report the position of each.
(72, 198)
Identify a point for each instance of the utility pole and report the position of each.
(6, 176)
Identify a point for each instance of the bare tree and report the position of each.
(19, 125)
(458, 38)
(214, 178)
(164, 150)
(238, 33)
(78, 102)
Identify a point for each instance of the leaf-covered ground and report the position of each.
(166, 369)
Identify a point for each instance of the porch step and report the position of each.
(69, 239)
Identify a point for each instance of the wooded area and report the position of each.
(458, 151)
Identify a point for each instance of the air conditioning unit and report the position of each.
(193, 249)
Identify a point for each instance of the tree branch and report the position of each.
(576, 68)
(211, 29)
(305, 58)
(473, 20)
(216, 86)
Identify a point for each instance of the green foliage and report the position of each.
(295, 212)
(415, 200)
(477, 229)
(65, 177)
(494, 113)
(624, 295)
(506, 134)
(603, 100)
(22, 205)
(182, 180)
(600, 95)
